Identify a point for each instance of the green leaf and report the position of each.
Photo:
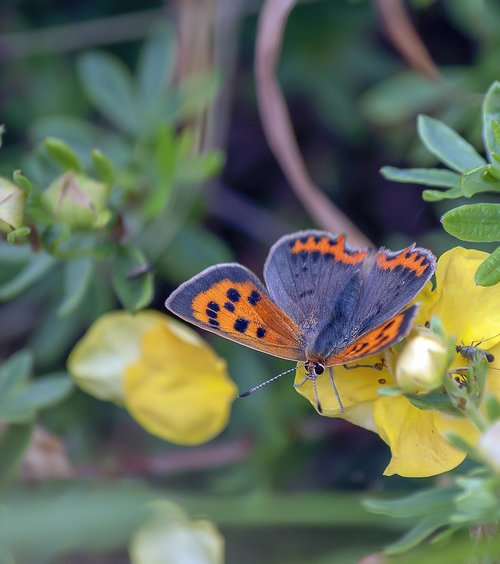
(22, 182)
(156, 65)
(491, 114)
(399, 98)
(425, 502)
(434, 401)
(447, 145)
(474, 222)
(62, 154)
(77, 277)
(492, 408)
(42, 393)
(426, 176)
(479, 180)
(37, 267)
(418, 533)
(438, 195)
(15, 371)
(13, 443)
(458, 442)
(488, 273)
(131, 278)
(18, 235)
(108, 84)
(103, 167)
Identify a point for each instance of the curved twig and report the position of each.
(277, 127)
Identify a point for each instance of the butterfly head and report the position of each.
(314, 369)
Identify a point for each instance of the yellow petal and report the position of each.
(98, 361)
(178, 389)
(467, 311)
(414, 436)
(354, 386)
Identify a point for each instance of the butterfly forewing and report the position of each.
(230, 301)
(306, 272)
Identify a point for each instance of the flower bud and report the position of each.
(489, 447)
(12, 201)
(170, 537)
(422, 363)
(78, 201)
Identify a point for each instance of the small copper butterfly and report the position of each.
(324, 305)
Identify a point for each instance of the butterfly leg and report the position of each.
(332, 381)
(312, 377)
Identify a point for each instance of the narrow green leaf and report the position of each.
(491, 114)
(438, 195)
(479, 180)
(62, 154)
(36, 268)
(474, 222)
(77, 277)
(447, 145)
(22, 182)
(15, 371)
(492, 408)
(132, 278)
(421, 503)
(427, 176)
(108, 84)
(156, 65)
(42, 393)
(419, 533)
(103, 166)
(488, 273)
(13, 443)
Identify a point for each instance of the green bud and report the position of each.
(489, 447)
(12, 201)
(422, 363)
(78, 201)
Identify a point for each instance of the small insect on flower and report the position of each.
(473, 352)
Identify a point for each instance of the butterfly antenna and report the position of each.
(261, 385)
(330, 372)
(316, 395)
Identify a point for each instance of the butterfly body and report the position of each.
(323, 303)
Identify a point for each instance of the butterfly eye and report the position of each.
(319, 368)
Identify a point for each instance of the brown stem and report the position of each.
(278, 129)
(404, 36)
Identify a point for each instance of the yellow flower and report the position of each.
(416, 437)
(166, 376)
(171, 538)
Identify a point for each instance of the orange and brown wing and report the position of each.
(230, 301)
(378, 339)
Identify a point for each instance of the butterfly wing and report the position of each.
(230, 301)
(308, 271)
(392, 281)
(378, 339)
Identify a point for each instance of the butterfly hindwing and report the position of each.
(378, 339)
(307, 271)
(392, 281)
(229, 300)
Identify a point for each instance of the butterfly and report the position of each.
(323, 303)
